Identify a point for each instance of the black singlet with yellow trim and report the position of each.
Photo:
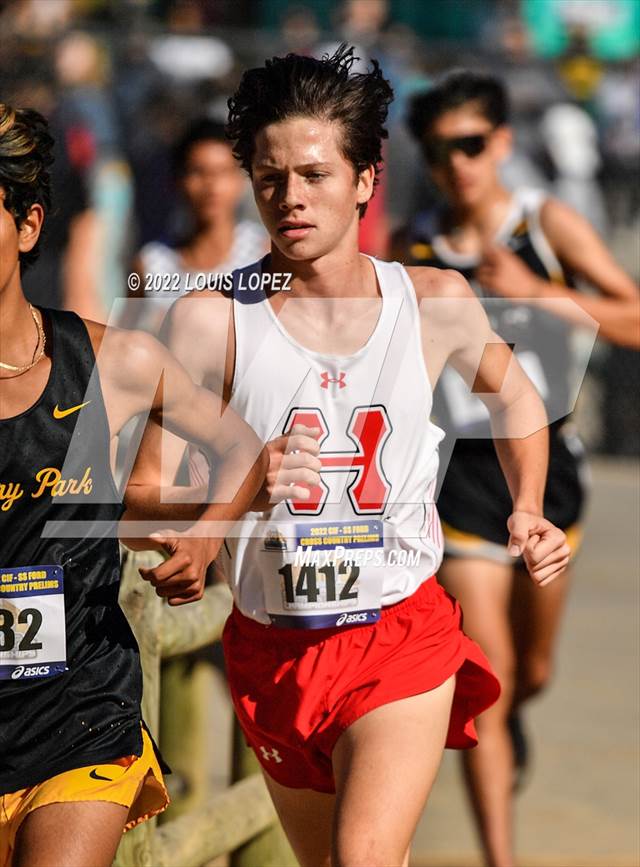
(59, 714)
(474, 497)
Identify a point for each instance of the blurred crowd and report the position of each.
(124, 81)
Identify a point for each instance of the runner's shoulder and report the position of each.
(434, 283)
(126, 357)
(560, 221)
(96, 332)
(448, 306)
(198, 312)
(199, 332)
(571, 236)
(118, 341)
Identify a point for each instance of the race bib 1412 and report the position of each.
(332, 580)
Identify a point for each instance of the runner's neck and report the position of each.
(18, 332)
(209, 246)
(468, 230)
(330, 276)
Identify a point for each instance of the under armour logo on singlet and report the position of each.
(340, 380)
(271, 754)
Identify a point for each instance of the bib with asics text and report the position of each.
(32, 622)
(332, 574)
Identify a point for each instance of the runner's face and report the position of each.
(212, 181)
(467, 179)
(306, 190)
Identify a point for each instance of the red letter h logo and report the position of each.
(369, 428)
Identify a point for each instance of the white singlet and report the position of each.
(371, 534)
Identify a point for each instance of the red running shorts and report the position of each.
(295, 691)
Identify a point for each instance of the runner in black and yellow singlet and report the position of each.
(519, 252)
(74, 753)
(70, 677)
(474, 496)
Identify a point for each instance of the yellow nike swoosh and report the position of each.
(63, 413)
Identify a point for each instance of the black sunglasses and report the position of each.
(438, 150)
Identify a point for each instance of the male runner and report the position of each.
(348, 670)
(76, 764)
(511, 246)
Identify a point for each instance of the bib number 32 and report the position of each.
(32, 617)
(32, 622)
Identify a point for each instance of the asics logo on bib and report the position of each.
(369, 428)
(271, 754)
(29, 671)
(345, 619)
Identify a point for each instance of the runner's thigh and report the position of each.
(307, 818)
(483, 589)
(74, 834)
(536, 616)
(384, 765)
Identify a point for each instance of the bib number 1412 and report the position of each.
(307, 588)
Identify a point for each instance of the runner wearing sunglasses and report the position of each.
(438, 150)
(511, 246)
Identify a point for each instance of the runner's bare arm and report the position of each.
(582, 252)
(196, 332)
(199, 332)
(138, 374)
(455, 330)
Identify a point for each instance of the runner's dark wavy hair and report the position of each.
(25, 157)
(327, 89)
(483, 92)
(202, 129)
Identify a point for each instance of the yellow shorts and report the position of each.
(457, 543)
(134, 782)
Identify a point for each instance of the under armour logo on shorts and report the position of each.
(271, 754)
